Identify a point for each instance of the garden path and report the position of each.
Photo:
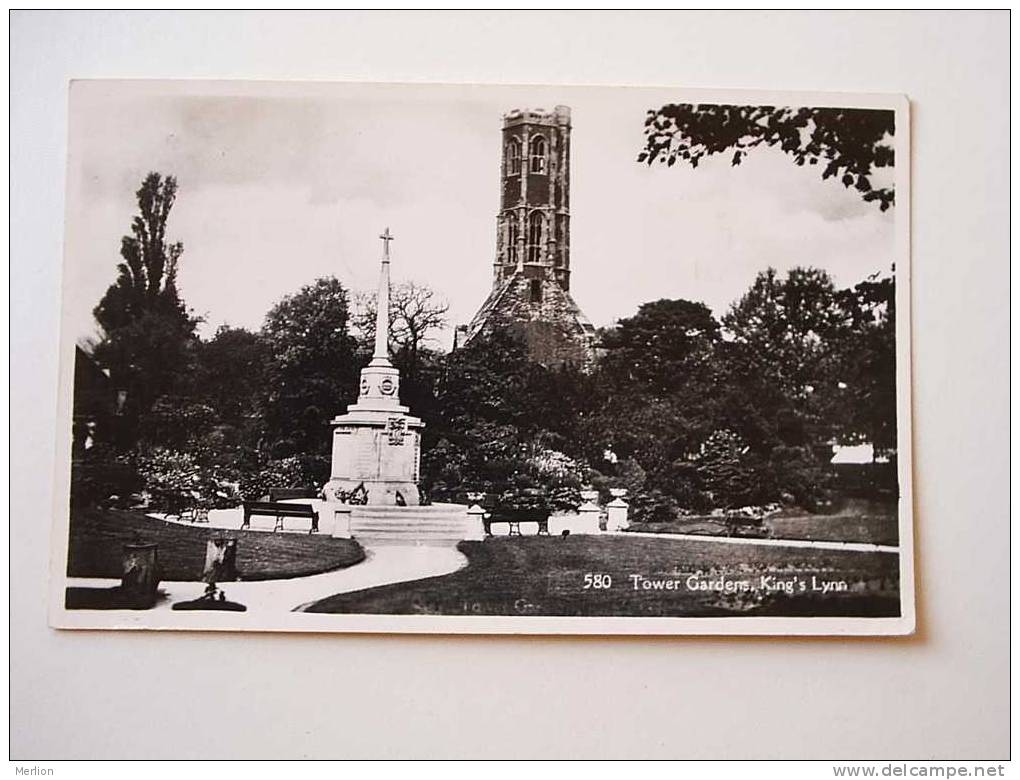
(383, 565)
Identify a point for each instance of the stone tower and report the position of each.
(531, 275)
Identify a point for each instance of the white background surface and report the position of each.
(940, 694)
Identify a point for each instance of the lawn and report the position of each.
(97, 536)
(859, 520)
(534, 575)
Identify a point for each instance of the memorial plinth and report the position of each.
(376, 446)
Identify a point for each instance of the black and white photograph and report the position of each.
(484, 359)
(462, 385)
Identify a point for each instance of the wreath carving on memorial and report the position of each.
(356, 497)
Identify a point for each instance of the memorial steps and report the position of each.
(433, 524)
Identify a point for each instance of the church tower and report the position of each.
(533, 227)
(531, 273)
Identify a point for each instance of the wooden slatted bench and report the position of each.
(279, 511)
(515, 517)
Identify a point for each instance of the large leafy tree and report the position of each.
(803, 353)
(865, 362)
(658, 369)
(475, 441)
(658, 374)
(848, 144)
(663, 347)
(148, 334)
(502, 425)
(782, 327)
(487, 379)
(217, 418)
(806, 364)
(778, 358)
(311, 368)
(229, 373)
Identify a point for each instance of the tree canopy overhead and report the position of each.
(849, 143)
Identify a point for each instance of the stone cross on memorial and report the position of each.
(381, 356)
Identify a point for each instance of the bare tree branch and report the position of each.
(417, 312)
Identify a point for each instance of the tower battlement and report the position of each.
(560, 115)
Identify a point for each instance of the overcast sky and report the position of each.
(280, 184)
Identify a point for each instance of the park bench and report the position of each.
(287, 494)
(515, 517)
(279, 511)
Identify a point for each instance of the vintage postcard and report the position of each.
(484, 359)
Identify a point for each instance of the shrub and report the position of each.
(175, 421)
(798, 472)
(682, 480)
(314, 469)
(525, 493)
(727, 471)
(443, 470)
(559, 478)
(283, 473)
(653, 506)
(176, 480)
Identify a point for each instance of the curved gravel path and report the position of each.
(383, 565)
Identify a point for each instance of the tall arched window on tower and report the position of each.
(537, 153)
(513, 157)
(536, 228)
(512, 235)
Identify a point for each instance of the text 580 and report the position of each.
(593, 581)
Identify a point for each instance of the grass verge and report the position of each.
(97, 537)
(546, 576)
(870, 522)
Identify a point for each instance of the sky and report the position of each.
(279, 184)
